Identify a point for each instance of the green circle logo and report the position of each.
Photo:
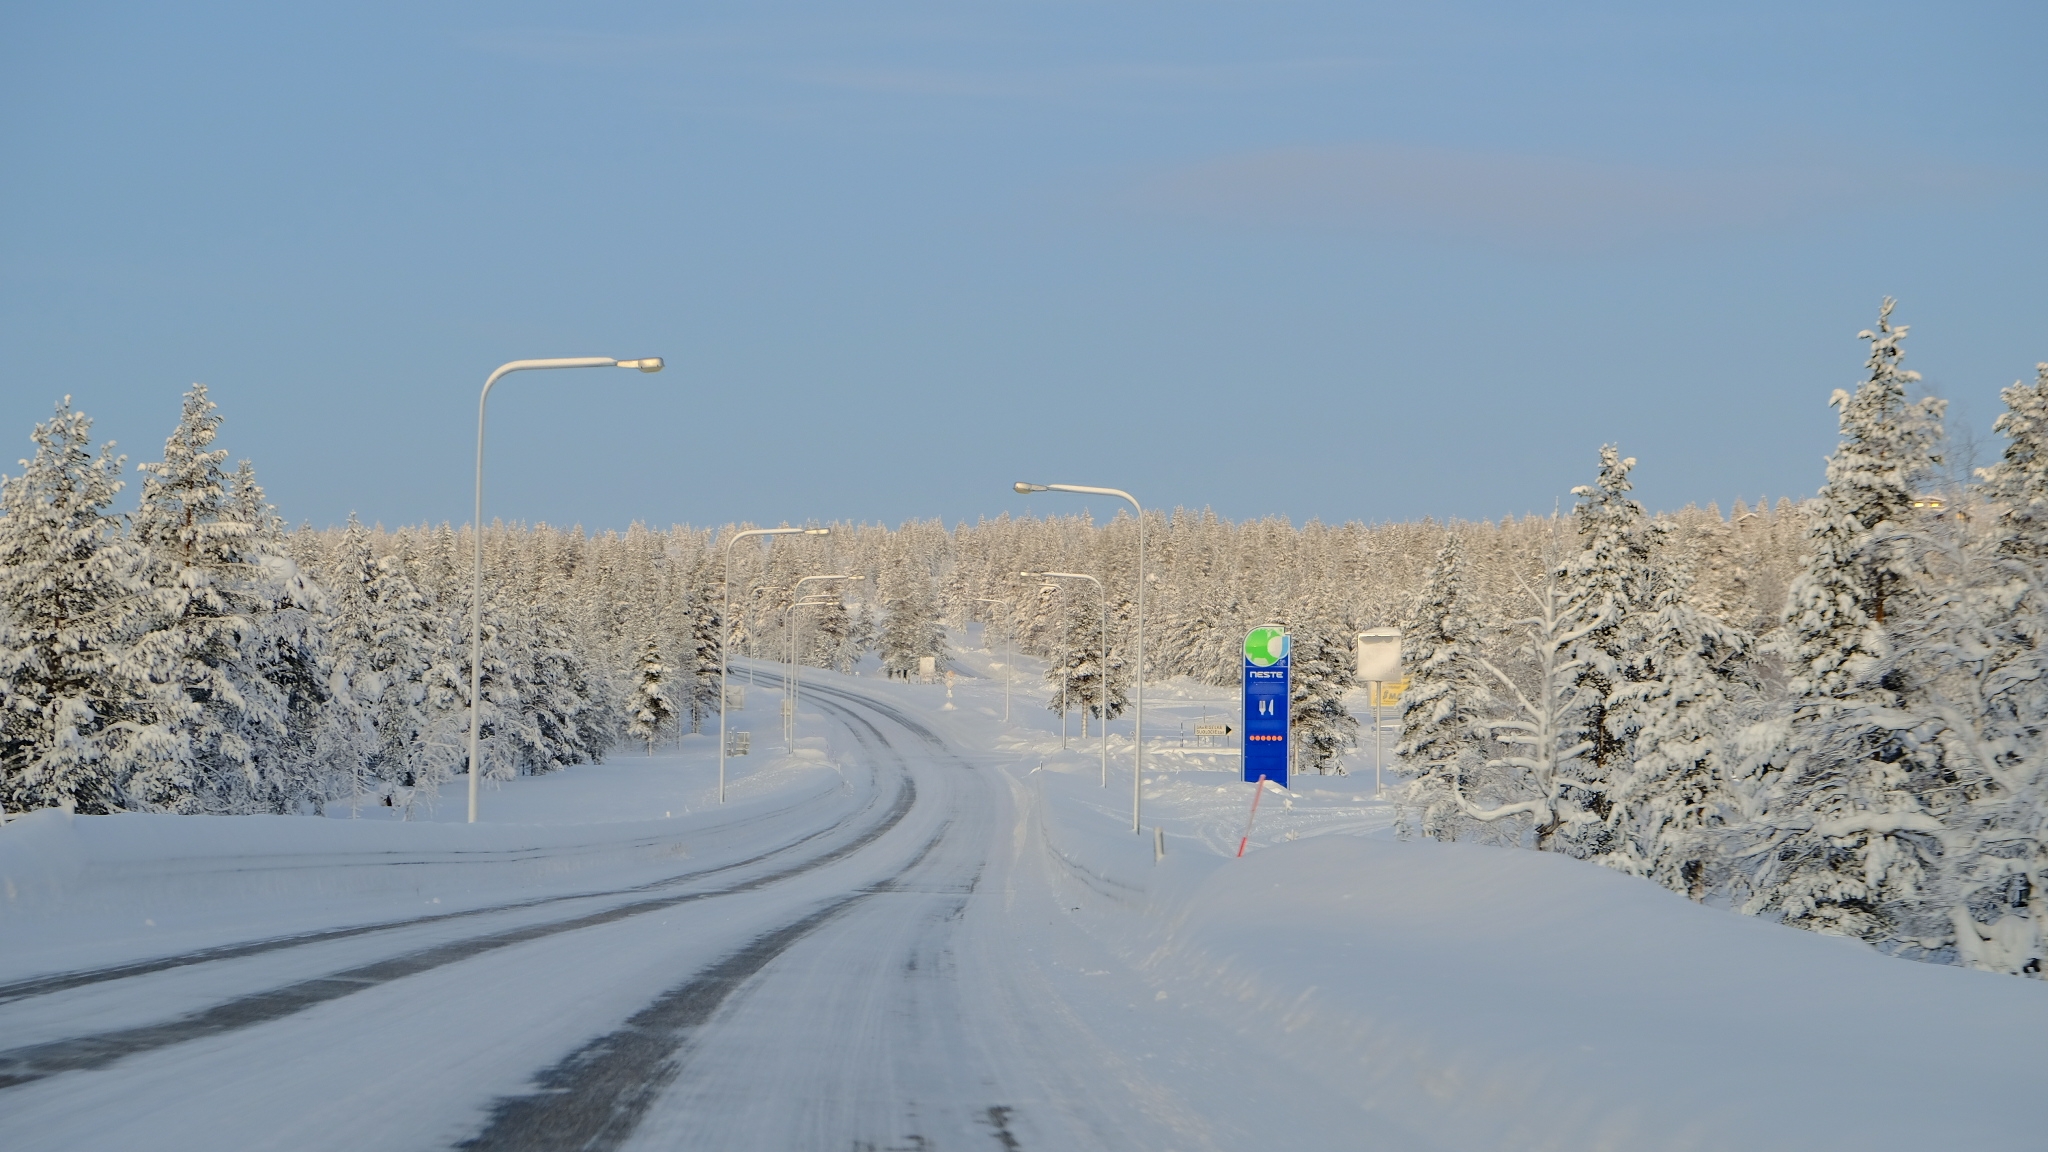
(1265, 646)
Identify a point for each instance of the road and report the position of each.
(900, 977)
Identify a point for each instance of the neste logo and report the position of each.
(1266, 646)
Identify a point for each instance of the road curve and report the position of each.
(908, 979)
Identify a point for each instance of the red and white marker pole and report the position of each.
(1261, 791)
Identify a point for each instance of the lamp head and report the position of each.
(817, 531)
(1030, 575)
(1024, 489)
(645, 364)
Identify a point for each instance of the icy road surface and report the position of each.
(927, 930)
(869, 981)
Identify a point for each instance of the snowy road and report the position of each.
(923, 930)
(892, 979)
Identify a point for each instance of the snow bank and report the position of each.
(1507, 999)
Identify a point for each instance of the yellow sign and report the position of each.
(1389, 693)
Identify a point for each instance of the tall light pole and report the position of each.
(1138, 712)
(1104, 593)
(725, 630)
(795, 682)
(476, 587)
(1009, 668)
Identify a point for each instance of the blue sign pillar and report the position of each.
(1266, 682)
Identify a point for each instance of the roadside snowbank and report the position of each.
(1501, 999)
(100, 889)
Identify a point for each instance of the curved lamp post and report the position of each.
(1138, 712)
(1009, 671)
(794, 685)
(1104, 593)
(725, 629)
(476, 592)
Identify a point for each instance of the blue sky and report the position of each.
(1348, 261)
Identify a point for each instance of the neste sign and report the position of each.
(1266, 681)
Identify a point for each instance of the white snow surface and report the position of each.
(938, 931)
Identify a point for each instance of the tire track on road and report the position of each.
(80, 978)
(595, 1097)
(35, 1062)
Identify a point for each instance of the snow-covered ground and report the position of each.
(932, 929)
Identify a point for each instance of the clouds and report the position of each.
(1542, 202)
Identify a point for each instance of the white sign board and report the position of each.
(1379, 655)
(927, 669)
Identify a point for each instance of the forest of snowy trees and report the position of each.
(1866, 760)
(1829, 712)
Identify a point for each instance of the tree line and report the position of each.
(1867, 760)
(196, 655)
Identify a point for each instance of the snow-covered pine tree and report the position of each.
(70, 590)
(348, 620)
(1974, 672)
(322, 730)
(1443, 739)
(648, 709)
(424, 730)
(1675, 799)
(210, 645)
(1846, 831)
(1611, 578)
(1324, 668)
(700, 667)
(910, 626)
(1079, 659)
(1971, 676)
(2018, 484)
(824, 634)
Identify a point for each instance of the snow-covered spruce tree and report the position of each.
(1323, 667)
(418, 712)
(573, 706)
(1077, 658)
(348, 618)
(647, 706)
(415, 586)
(1971, 674)
(322, 729)
(70, 588)
(700, 659)
(1845, 828)
(825, 636)
(213, 638)
(1674, 801)
(2017, 486)
(910, 624)
(1611, 579)
(1443, 740)
(1974, 667)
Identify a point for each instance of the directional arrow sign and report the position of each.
(1212, 729)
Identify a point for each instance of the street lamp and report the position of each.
(725, 630)
(1009, 668)
(1104, 592)
(794, 683)
(476, 591)
(1138, 711)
